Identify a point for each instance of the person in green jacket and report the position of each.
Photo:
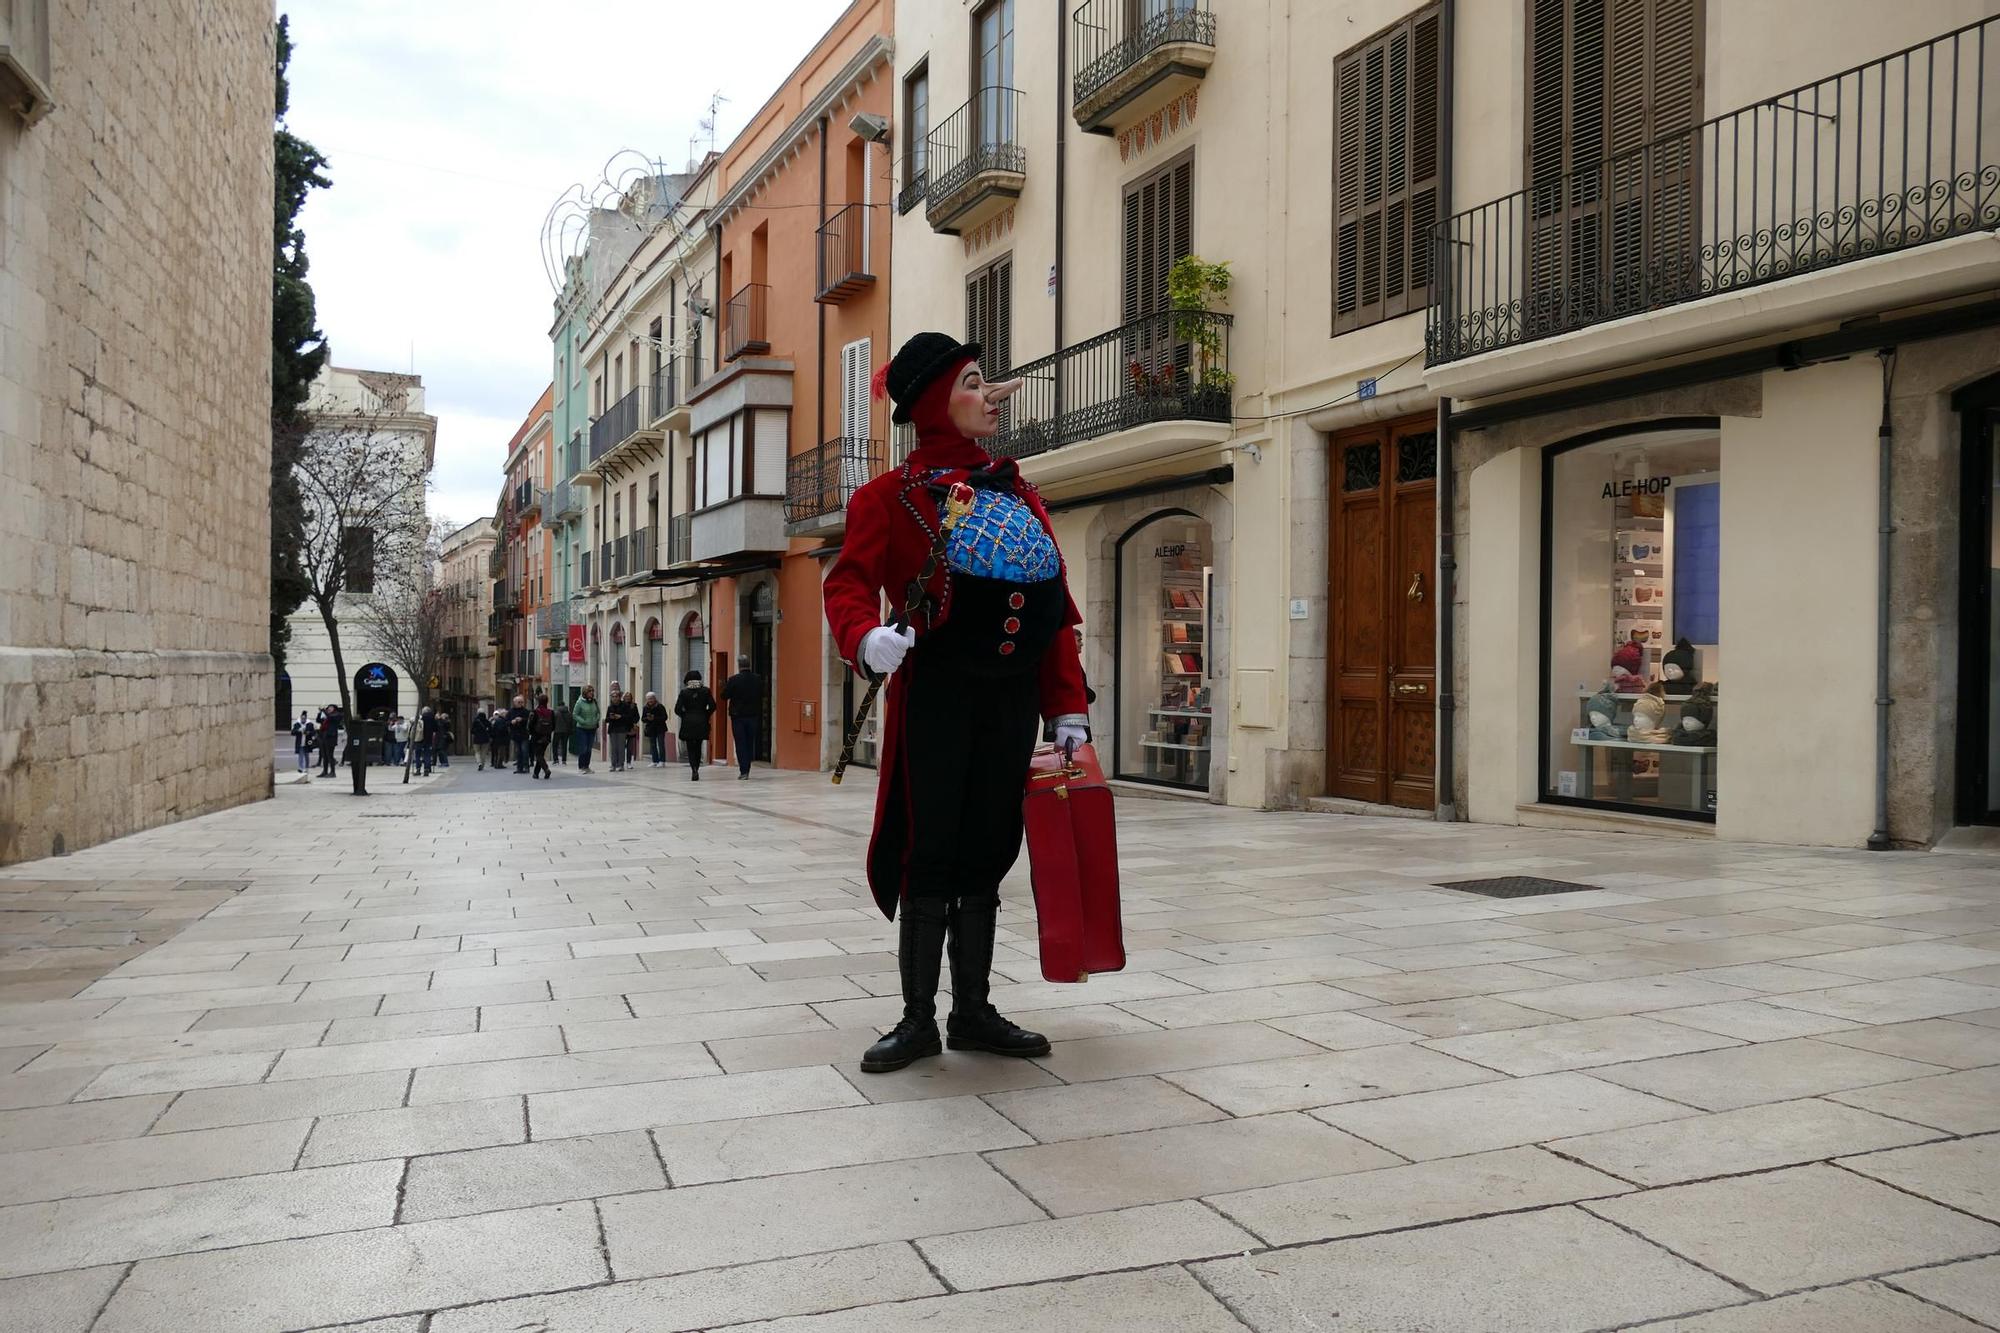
(585, 716)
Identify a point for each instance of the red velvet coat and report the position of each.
(890, 527)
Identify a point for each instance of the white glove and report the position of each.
(884, 648)
(1069, 735)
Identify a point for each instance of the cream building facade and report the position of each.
(1603, 285)
(384, 409)
(645, 343)
(135, 675)
(465, 557)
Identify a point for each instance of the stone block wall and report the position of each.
(135, 291)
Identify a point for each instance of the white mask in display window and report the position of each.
(1672, 671)
(1691, 724)
(1600, 720)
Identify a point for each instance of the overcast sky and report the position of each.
(451, 126)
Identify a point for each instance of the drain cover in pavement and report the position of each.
(1517, 886)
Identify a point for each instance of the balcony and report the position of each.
(527, 502)
(747, 525)
(976, 163)
(845, 261)
(625, 427)
(902, 442)
(820, 482)
(1867, 164)
(913, 191)
(640, 546)
(746, 330)
(1172, 367)
(1134, 57)
(562, 502)
(680, 529)
(669, 386)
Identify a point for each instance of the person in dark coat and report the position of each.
(744, 693)
(988, 656)
(694, 706)
(565, 727)
(482, 736)
(520, 720)
(654, 718)
(431, 730)
(541, 730)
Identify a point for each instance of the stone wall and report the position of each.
(135, 289)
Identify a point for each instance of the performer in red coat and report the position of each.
(989, 655)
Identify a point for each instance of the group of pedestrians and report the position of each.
(424, 742)
(526, 733)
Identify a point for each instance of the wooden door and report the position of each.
(1381, 652)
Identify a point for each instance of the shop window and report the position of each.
(1165, 711)
(1633, 654)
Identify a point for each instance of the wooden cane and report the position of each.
(955, 507)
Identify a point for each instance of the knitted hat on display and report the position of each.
(1630, 656)
(1603, 702)
(1701, 705)
(1649, 709)
(913, 369)
(1684, 656)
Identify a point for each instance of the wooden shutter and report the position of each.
(1387, 147)
(854, 406)
(999, 355)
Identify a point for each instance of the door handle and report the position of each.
(1407, 688)
(1416, 592)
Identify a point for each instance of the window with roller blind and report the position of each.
(1387, 143)
(1614, 98)
(855, 370)
(989, 315)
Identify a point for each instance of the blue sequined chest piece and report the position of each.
(1002, 539)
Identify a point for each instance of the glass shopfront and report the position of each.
(1165, 704)
(1632, 653)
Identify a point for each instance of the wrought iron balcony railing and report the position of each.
(913, 191)
(1114, 36)
(1882, 157)
(680, 539)
(1173, 366)
(552, 621)
(639, 550)
(823, 479)
(845, 261)
(981, 136)
(746, 330)
(565, 501)
(524, 499)
(666, 387)
(621, 421)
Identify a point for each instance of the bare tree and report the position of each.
(362, 492)
(409, 617)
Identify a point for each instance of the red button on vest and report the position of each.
(1006, 648)
(1016, 601)
(1012, 624)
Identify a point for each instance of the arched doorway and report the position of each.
(618, 680)
(694, 644)
(596, 661)
(1164, 718)
(1978, 767)
(763, 658)
(656, 658)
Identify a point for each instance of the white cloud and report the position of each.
(450, 127)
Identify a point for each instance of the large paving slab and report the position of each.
(597, 1069)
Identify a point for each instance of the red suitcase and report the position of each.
(1073, 858)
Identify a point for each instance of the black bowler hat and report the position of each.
(922, 359)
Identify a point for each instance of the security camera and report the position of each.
(873, 128)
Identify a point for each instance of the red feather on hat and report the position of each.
(878, 384)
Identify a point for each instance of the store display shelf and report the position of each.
(1667, 746)
(1191, 675)
(1626, 696)
(1179, 712)
(1169, 745)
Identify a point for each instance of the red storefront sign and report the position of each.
(576, 643)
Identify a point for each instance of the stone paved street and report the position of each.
(478, 1056)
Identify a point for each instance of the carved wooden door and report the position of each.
(1381, 652)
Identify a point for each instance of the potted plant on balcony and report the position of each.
(1194, 286)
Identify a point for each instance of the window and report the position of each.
(989, 314)
(357, 559)
(855, 409)
(993, 72)
(917, 126)
(1158, 226)
(1633, 526)
(744, 455)
(1387, 138)
(1604, 78)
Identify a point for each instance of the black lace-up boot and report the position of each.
(920, 951)
(974, 1024)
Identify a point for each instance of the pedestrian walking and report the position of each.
(986, 656)
(441, 748)
(498, 742)
(329, 740)
(694, 706)
(620, 718)
(303, 740)
(520, 719)
(586, 715)
(482, 736)
(565, 725)
(654, 717)
(399, 738)
(420, 758)
(541, 730)
(744, 693)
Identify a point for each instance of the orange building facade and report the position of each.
(523, 554)
(782, 428)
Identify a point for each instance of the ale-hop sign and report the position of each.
(1625, 490)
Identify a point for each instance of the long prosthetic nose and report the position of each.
(997, 394)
